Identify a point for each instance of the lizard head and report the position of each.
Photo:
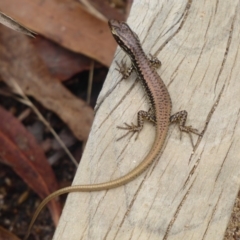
(124, 36)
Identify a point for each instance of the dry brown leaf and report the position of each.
(61, 62)
(11, 23)
(104, 8)
(19, 150)
(7, 235)
(20, 63)
(65, 22)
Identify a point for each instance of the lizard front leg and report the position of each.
(127, 71)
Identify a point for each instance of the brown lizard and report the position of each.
(159, 113)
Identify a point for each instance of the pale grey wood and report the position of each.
(176, 198)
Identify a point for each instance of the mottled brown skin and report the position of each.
(159, 113)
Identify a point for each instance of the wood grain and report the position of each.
(184, 194)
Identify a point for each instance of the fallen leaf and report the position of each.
(106, 10)
(11, 23)
(66, 23)
(102, 10)
(20, 63)
(61, 62)
(7, 235)
(19, 150)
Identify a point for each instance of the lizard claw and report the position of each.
(123, 69)
(130, 129)
(190, 129)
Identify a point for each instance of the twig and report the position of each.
(25, 100)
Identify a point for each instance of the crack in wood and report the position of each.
(207, 122)
(177, 212)
(212, 215)
(131, 204)
(227, 49)
(185, 15)
(119, 102)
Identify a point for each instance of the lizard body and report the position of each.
(159, 113)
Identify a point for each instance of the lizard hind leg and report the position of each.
(180, 118)
(136, 129)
